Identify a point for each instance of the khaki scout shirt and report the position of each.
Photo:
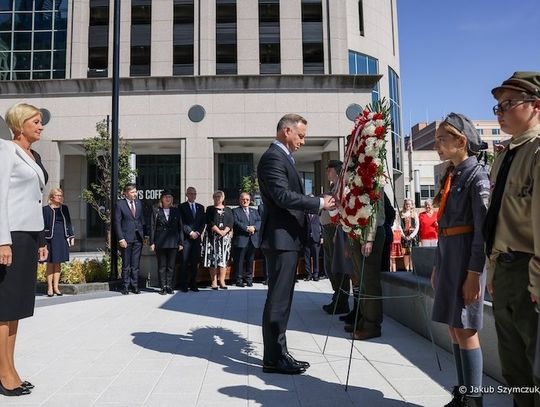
(518, 223)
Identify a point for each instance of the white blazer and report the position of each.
(21, 192)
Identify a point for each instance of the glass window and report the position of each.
(495, 132)
(59, 60)
(21, 60)
(6, 5)
(41, 75)
(225, 12)
(312, 38)
(23, 5)
(183, 37)
(22, 41)
(480, 131)
(5, 22)
(141, 12)
(43, 40)
(141, 16)
(99, 15)
(43, 21)
(23, 21)
(60, 39)
(269, 37)
(44, 5)
(42, 60)
(395, 115)
(59, 74)
(183, 12)
(20, 75)
(231, 169)
(226, 44)
(98, 39)
(5, 41)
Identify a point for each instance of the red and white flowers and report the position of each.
(362, 179)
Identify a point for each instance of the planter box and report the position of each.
(83, 288)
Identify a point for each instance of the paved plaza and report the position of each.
(204, 349)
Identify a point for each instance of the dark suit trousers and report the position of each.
(281, 268)
(311, 251)
(243, 262)
(131, 257)
(190, 262)
(166, 259)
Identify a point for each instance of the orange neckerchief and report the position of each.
(444, 196)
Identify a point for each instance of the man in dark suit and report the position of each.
(247, 223)
(312, 246)
(194, 221)
(129, 228)
(283, 231)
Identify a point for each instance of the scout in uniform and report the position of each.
(512, 231)
(458, 279)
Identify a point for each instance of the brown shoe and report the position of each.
(349, 328)
(364, 334)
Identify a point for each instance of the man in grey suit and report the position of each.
(283, 231)
(247, 223)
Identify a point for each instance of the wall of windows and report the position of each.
(312, 37)
(231, 169)
(33, 39)
(361, 64)
(141, 37)
(226, 41)
(395, 113)
(98, 39)
(269, 47)
(183, 37)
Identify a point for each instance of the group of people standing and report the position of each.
(206, 236)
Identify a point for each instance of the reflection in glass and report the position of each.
(43, 21)
(5, 22)
(43, 40)
(6, 5)
(42, 60)
(20, 76)
(59, 60)
(23, 21)
(22, 41)
(23, 5)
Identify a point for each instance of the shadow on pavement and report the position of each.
(226, 348)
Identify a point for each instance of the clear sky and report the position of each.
(452, 53)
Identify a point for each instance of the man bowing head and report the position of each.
(282, 233)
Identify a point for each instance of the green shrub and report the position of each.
(77, 271)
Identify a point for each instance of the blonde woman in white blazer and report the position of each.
(22, 241)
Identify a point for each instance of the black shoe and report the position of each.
(300, 363)
(169, 290)
(17, 391)
(163, 291)
(472, 401)
(27, 385)
(124, 292)
(136, 291)
(456, 398)
(214, 288)
(329, 308)
(265, 282)
(184, 289)
(316, 278)
(240, 284)
(250, 284)
(349, 318)
(283, 366)
(308, 278)
(194, 289)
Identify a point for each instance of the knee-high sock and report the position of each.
(459, 365)
(472, 369)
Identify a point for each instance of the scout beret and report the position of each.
(528, 82)
(466, 127)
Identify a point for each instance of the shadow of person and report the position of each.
(237, 356)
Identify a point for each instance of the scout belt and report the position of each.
(456, 230)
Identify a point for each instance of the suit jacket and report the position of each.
(166, 234)
(284, 219)
(129, 227)
(49, 218)
(21, 191)
(191, 223)
(314, 230)
(241, 237)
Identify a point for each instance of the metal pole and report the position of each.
(114, 136)
(417, 188)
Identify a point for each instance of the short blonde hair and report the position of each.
(219, 193)
(18, 114)
(53, 192)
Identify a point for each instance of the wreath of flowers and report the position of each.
(362, 178)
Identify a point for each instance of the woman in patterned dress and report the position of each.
(216, 246)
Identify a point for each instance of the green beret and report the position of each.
(528, 82)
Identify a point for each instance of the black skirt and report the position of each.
(18, 281)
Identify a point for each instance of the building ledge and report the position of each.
(190, 85)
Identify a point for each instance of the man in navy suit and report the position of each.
(194, 221)
(247, 223)
(129, 228)
(312, 246)
(283, 232)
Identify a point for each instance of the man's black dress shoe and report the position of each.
(163, 291)
(300, 363)
(194, 289)
(17, 391)
(249, 284)
(124, 292)
(240, 284)
(283, 366)
(184, 289)
(136, 291)
(315, 278)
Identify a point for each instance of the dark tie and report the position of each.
(193, 209)
(490, 223)
(291, 158)
(247, 213)
(132, 207)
